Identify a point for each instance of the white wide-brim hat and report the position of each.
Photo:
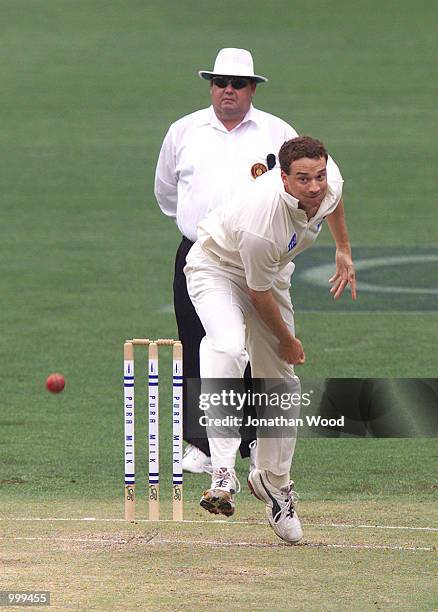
(233, 62)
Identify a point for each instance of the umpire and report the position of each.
(205, 158)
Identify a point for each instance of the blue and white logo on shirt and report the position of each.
(292, 244)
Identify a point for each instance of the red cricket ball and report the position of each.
(55, 383)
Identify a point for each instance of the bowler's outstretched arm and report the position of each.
(345, 273)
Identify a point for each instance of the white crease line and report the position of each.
(219, 522)
(140, 520)
(222, 544)
(302, 545)
(347, 526)
(56, 539)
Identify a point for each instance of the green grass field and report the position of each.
(89, 88)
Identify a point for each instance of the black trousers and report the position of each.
(191, 332)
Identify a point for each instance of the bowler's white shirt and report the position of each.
(262, 230)
(202, 164)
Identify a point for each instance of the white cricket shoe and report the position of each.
(280, 508)
(196, 461)
(219, 499)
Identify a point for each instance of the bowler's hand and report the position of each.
(344, 275)
(292, 352)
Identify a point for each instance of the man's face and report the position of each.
(307, 180)
(230, 103)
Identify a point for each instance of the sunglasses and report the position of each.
(235, 82)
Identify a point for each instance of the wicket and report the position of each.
(153, 424)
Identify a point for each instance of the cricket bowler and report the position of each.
(238, 278)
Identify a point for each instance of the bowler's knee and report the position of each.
(229, 348)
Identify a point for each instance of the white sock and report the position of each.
(278, 481)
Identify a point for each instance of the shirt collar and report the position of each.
(209, 118)
(289, 199)
(251, 115)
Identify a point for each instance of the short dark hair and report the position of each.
(297, 148)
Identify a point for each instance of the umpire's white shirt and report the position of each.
(202, 164)
(261, 231)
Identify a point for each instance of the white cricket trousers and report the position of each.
(234, 333)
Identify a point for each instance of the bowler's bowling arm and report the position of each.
(290, 348)
(345, 273)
